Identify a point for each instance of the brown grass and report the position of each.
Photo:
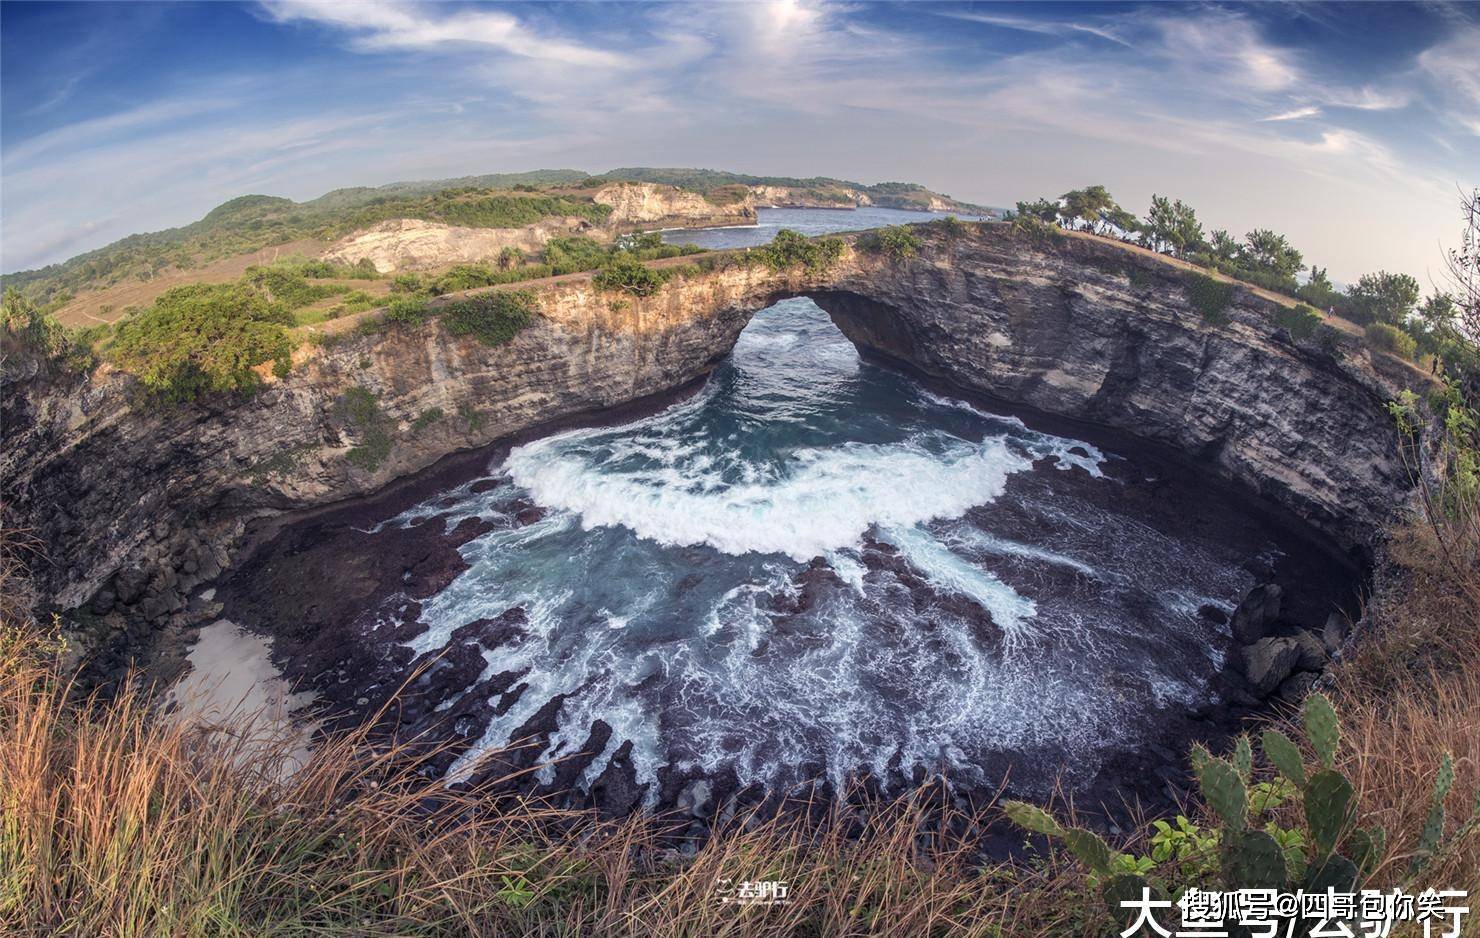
(120, 822)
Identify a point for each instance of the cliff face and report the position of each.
(412, 244)
(649, 205)
(137, 505)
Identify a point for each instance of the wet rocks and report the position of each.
(1268, 662)
(1256, 614)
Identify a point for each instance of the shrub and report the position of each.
(406, 283)
(625, 272)
(407, 310)
(288, 286)
(1211, 298)
(28, 329)
(426, 418)
(493, 318)
(1300, 320)
(204, 338)
(897, 241)
(1391, 339)
(359, 408)
(791, 249)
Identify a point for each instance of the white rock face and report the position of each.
(411, 244)
(644, 203)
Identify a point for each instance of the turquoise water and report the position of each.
(817, 566)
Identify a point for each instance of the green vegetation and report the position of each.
(360, 409)
(1211, 298)
(253, 222)
(1250, 843)
(204, 338)
(1391, 339)
(623, 271)
(426, 418)
(1301, 321)
(493, 318)
(896, 241)
(791, 249)
(1382, 298)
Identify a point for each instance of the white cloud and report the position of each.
(384, 26)
(1294, 115)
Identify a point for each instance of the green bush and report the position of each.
(1391, 339)
(407, 310)
(792, 249)
(359, 408)
(204, 338)
(406, 283)
(897, 241)
(426, 418)
(1300, 320)
(493, 318)
(1211, 298)
(623, 271)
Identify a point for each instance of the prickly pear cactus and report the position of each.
(1243, 758)
(1322, 728)
(1433, 826)
(1367, 845)
(1254, 860)
(1089, 849)
(1285, 756)
(1032, 818)
(1224, 791)
(1328, 809)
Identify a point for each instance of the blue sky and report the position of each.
(1348, 127)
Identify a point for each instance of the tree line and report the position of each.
(1389, 304)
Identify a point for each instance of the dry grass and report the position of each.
(118, 822)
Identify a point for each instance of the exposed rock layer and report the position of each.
(136, 504)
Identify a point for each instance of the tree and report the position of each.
(1173, 227)
(1384, 297)
(1091, 205)
(1319, 291)
(1041, 209)
(1127, 222)
(1267, 252)
(1222, 249)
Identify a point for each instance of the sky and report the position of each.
(1349, 128)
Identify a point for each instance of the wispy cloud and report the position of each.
(1293, 115)
(1041, 27)
(385, 26)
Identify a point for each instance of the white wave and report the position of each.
(966, 535)
(826, 501)
(1010, 609)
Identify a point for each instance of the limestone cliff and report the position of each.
(412, 244)
(649, 205)
(138, 504)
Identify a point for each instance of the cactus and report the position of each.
(1367, 845)
(1223, 789)
(1328, 809)
(1285, 756)
(1335, 872)
(1243, 758)
(1090, 850)
(1255, 859)
(1322, 728)
(1433, 827)
(1033, 818)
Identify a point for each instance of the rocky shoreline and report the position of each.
(347, 646)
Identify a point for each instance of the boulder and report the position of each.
(1313, 655)
(1256, 614)
(696, 797)
(1268, 662)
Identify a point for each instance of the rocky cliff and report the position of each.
(413, 244)
(139, 504)
(649, 205)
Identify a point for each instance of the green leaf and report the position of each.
(1328, 808)
(1285, 755)
(1032, 818)
(1255, 860)
(1322, 728)
(1223, 789)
